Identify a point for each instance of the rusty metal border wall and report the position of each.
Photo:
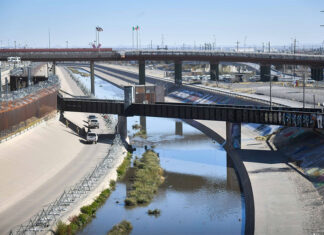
(13, 113)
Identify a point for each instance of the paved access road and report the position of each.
(38, 165)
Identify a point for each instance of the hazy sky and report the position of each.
(180, 21)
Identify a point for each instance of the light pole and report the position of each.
(98, 29)
(270, 91)
(133, 29)
(304, 75)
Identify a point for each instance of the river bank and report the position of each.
(104, 184)
(300, 194)
(49, 158)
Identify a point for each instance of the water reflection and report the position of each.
(200, 195)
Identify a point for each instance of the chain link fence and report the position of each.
(79, 83)
(48, 216)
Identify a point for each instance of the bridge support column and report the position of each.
(265, 72)
(178, 72)
(231, 179)
(317, 73)
(178, 128)
(128, 96)
(0, 82)
(233, 135)
(143, 123)
(54, 67)
(214, 72)
(122, 127)
(29, 76)
(92, 78)
(141, 72)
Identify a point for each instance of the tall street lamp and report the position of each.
(98, 29)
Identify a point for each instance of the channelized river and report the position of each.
(200, 195)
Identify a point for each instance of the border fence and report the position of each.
(48, 216)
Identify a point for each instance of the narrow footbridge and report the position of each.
(283, 116)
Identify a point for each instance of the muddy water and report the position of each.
(200, 195)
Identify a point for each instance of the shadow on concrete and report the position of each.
(271, 170)
(260, 156)
(74, 96)
(81, 132)
(268, 157)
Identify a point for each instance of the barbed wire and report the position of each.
(50, 214)
(6, 96)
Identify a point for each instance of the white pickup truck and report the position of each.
(92, 137)
(93, 123)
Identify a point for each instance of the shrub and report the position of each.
(121, 170)
(123, 228)
(148, 177)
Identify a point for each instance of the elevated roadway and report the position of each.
(106, 54)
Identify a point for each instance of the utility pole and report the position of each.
(162, 41)
(133, 28)
(49, 38)
(245, 42)
(237, 45)
(270, 91)
(304, 75)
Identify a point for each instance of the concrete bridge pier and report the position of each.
(122, 127)
(265, 72)
(141, 72)
(178, 72)
(178, 128)
(143, 123)
(54, 67)
(317, 73)
(0, 82)
(92, 77)
(231, 178)
(233, 135)
(214, 71)
(122, 120)
(128, 96)
(29, 76)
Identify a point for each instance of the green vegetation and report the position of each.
(124, 166)
(123, 228)
(148, 177)
(75, 71)
(155, 212)
(141, 133)
(136, 127)
(86, 215)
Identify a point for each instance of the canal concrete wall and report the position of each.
(284, 200)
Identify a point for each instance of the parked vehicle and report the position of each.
(92, 137)
(93, 123)
(90, 117)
